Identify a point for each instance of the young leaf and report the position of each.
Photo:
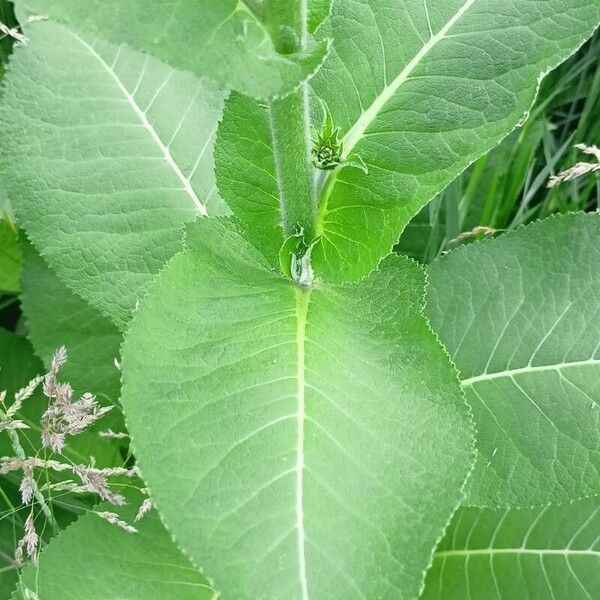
(419, 90)
(223, 40)
(107, 154)
(520, 319)
(245, 172)
(56, 317)
(550, 552)
(298, 442)
(106, 562)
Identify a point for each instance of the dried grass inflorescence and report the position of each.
(580, 168)
(63, 417)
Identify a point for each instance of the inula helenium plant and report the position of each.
(224, 379)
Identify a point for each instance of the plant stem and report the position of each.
(290, 125)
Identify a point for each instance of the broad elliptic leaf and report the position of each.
(551, 552)
(10, 257)
(55, 316)
(223, 39)
(299, 443)
(95, 560)
(419, 90)
(519, 316)
(107, 154)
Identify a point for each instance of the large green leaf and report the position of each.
(56, 317)
(222, 39)
(419, 89)
(538, 554)
(293, 438)
(107, 153)
(97, 561)
(520, 317)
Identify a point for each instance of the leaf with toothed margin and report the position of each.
(292, 438)
(551, 552)
(117, 565)
(419, 90)
(55, 316)
(220, 39)
(105, 165)
(519, 316)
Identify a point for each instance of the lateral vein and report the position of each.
(528, 369)
(357, 131)
(492, 551)
(367, 117)
(185, 182)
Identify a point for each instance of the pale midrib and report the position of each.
(302, 300)
(185, 182)
(528, 369)
(492, 551)
(356, 132)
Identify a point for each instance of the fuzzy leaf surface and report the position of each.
(292, 438)
(55, 316)
(107, 153)
(550, 552)
(419, 90)
(519, 316)
(221, 39)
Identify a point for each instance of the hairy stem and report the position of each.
(290, 125)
